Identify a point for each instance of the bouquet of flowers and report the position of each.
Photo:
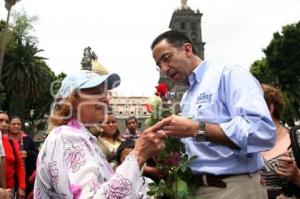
(173, 160)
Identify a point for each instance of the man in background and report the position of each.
(131, 133)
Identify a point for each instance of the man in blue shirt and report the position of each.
(224, 120)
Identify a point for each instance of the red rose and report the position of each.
(161, 89)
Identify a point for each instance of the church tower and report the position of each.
(187, 21)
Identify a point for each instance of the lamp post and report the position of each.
(8, 5)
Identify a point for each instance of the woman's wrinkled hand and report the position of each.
(288, 169)
(150, 143)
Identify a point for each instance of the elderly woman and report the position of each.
(70, 163)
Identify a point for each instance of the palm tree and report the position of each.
(25, 76)
(8, 5)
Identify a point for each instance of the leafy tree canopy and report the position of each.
(281, 67)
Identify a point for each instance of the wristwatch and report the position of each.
(200, 133)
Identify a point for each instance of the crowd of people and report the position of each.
(20, 157)
(228, 120)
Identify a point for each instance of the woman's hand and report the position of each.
(150, 142)
(288, 169)
(155, 172)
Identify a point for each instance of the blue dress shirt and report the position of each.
(230, 96)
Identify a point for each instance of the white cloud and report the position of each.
(120, 32)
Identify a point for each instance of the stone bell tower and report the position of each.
(187, 21)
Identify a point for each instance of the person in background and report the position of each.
(15, 171)
(224, 120)
(281, 174)
(70, 164)
(4, 193)
(27, 149)
(109, 138)
(122, 152)
(4, 122)
(149, 170)
(131, 132)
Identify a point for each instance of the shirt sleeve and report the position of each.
(251, 126)
(87, 177)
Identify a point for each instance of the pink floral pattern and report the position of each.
(71, 165)
(37, 193)
(74, 157)
(118, 188)
(53, 173)
(94, 185)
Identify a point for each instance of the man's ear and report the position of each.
(188, 49)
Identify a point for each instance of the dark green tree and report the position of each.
(25, 73)
(281, 67)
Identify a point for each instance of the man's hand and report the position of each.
(183, 127)
(178, 126)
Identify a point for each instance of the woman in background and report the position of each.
(28, 151)
(281, 174)
(15, 171)
(109, 138)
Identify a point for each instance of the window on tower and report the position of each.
(193, 26)
(182, 26)
(193, 36)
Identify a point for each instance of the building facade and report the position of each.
(125, 106)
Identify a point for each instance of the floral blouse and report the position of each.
(71, 165)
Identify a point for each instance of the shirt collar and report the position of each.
(197, 74)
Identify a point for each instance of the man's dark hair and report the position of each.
(130, 118)
(173, 37)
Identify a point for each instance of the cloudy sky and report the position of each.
(120, 32)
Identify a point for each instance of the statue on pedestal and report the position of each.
(184, 5)
(88, 57)
(90, 62)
